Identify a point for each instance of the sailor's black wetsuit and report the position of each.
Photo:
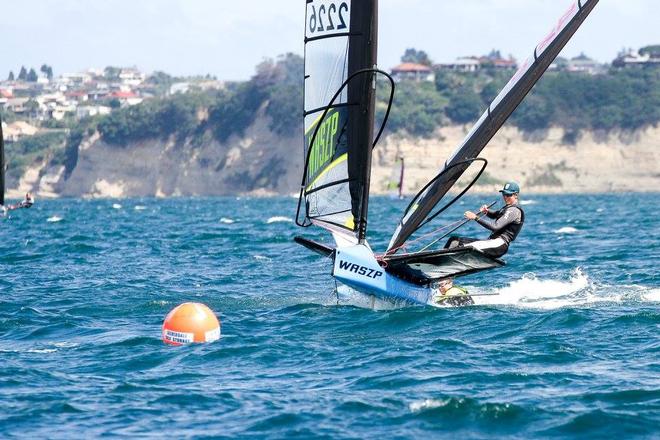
(505, 225)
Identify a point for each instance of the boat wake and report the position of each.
(530, 291)
(576, 291)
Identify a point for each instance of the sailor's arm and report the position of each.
(509, 216)
(489, 212)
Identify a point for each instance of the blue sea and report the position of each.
(568, 348)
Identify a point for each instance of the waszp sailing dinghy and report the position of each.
(340, 84)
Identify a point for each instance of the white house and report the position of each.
(412, 72)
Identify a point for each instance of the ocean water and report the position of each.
(570, 346)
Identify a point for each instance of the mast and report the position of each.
(363, 56)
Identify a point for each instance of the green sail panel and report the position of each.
(340, 51)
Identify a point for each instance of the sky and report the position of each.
(228, 38)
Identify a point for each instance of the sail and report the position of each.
(426, 267)
(395, 182)
(2, 166)
(492, 119)
(340, 58)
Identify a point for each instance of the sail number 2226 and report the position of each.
(328, 17)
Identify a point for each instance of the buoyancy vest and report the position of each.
(510, 231)
(439, 297)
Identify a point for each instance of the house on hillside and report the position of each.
(498, 63)
(631, 58)
(462, 64)
(5, 95)
(412, 72)
(132, 77)
(584, 64)
(75, 79)
(16, 105)
(126, 98)
(17, 130)
(77, 96)
(92, 110)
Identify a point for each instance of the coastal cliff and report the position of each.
(260, 162)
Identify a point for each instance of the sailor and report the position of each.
(445, 293)
(505, 225)
(26, 203)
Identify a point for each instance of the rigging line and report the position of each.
(435, 231)
(462, 223)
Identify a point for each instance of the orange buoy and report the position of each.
(190, 322)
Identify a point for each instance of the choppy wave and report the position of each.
(279, 219)
(567, 348)
(566, 230)
(54, 219)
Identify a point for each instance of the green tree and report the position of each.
(111, 72)
(160, 78)
(32, 108)
(464, 106)
(418, 109)
(47, 70)
(412, 55)
(32, 76)
(22, 75)
(489, 92)
(653, 50)
(534, 113)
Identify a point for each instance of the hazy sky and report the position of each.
(227, 38)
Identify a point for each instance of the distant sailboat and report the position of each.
(29, 200)
(339, 102)
(395, 182)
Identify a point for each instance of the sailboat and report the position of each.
(395, 182)
(339, 99)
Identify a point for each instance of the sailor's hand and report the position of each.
(484, 209)
(470, 215)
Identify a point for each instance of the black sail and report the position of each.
(492, 119)
(340, 55)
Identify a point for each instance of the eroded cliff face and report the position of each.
(262, 163)
(540, 162)
(259, 162)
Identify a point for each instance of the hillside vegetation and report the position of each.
(626, 99)
(622, 99)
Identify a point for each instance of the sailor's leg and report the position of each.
(493, 248)
(455, 241)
